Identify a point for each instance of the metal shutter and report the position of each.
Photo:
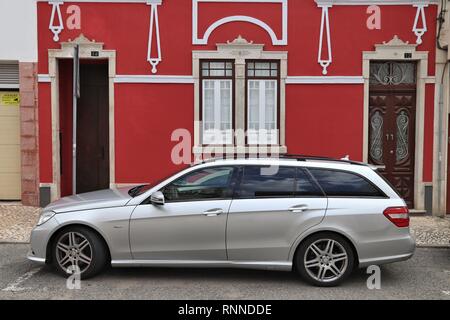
(9, 75)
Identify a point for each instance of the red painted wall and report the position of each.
(320, 119)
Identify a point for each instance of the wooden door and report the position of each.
(93, 128)
(392, 111)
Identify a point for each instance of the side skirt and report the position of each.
(262, 265)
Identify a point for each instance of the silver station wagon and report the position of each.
(317, 216)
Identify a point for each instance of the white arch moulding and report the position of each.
(204, 40)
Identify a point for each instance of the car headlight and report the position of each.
(45, 216)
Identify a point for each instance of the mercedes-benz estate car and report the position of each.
(319, 217)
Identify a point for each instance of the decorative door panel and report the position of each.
(392, 109)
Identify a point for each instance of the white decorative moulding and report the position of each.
(196, 40)
(420, 19)
(324, 36)
(55, 27)
(153, 33)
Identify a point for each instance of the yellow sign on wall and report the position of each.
(8, 98)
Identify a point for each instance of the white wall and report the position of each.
(18, 30)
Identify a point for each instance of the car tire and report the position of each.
(324, 259)
(79, 247)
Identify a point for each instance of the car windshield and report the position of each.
(138, 190)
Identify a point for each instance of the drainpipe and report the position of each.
(440, 142)
(440, 171)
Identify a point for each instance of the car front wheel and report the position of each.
(79, 250)
(325, 259)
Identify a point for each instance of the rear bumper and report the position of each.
(387, 251)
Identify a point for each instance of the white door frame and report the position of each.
(398, 50)
(67, 51)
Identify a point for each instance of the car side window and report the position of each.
(305, 186)
(337, 183)
(259, 183)
(202, 184)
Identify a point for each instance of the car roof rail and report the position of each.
(302, 157)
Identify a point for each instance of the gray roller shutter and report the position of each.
(9, 75)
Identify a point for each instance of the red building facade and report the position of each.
(328, 78)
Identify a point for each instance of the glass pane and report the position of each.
(259, 183)
(225, 105)
(376, 137)
(253, 102)
(205, 73)
(262, 73)
(270, 107)
(340, 183)
(304, 186)
(217, 73)
(262, 65)
(217, 65)
(392, 73)
(273, 73)
(402, 136)
(209, 183)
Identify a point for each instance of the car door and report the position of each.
(270, 210)
(191, 224)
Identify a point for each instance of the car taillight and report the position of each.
(398, 216)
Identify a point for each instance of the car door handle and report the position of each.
(298, 208)
(213, 212)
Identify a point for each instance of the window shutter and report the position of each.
(9, 75)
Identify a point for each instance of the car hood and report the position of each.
(91, 200)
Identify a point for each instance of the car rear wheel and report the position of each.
(79, 250)
(325, 259)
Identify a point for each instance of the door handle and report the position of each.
(213, 212)
(298, 208)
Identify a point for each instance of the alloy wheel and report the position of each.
(73, 250)
(325, 260)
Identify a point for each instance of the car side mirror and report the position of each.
(157, 198)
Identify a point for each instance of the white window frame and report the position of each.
(238, 50)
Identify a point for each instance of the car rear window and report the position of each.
(336, 183)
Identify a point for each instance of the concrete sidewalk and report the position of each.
(16, 222)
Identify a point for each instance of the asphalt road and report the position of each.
(425, 276)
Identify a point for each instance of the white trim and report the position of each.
(325, 27)
(56, 11)
(44, 78)
(66, 51)
(154, 61)
(9, 86)
(182, 79)
(420, 14)
(107, 1)
(204, 40)
(153, 79)
(395, 50)
(324, 80)
(374, 2)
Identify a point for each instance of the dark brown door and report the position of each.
(93, 128)
(392, 110)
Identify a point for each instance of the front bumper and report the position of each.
(32, 257)
(39, 238)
